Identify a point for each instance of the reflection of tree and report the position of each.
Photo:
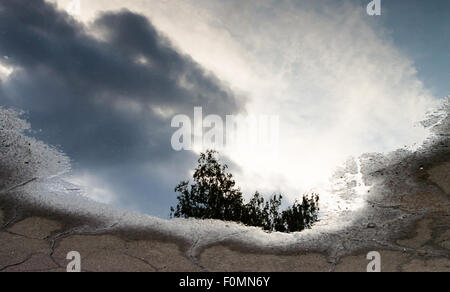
(214, 195)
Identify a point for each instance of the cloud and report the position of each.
(96, 90)
(331, 72)
(106, 101)
(93, 188)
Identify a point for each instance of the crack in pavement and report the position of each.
(144, 261)
(17, 264)
(53, 240)
(193, 258)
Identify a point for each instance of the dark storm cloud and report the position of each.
(70, 81)
(93, 96)
(36, 36)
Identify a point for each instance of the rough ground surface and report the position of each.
(405, 217)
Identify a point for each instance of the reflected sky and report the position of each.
(343, 83)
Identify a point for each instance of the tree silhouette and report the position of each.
(214, 195)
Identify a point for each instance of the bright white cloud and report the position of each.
(93, 187)
(5, 71)
(338, 84)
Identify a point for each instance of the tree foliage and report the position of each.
(214, 195)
